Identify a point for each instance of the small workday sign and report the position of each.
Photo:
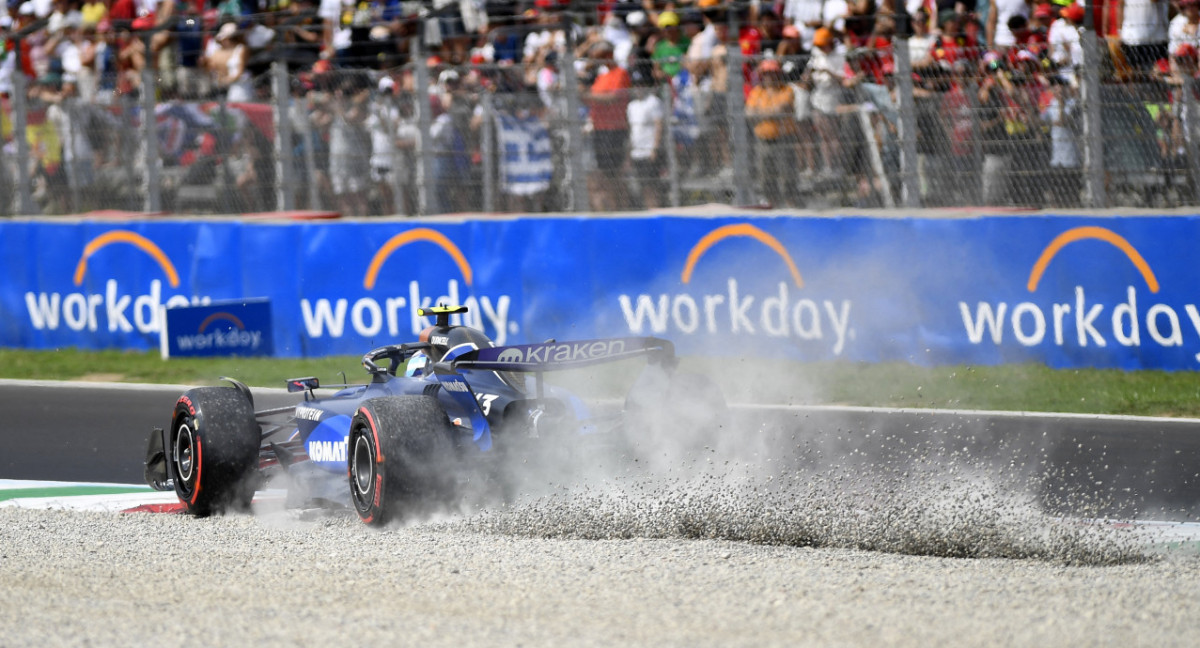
(235, 328)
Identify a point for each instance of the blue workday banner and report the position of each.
(1065, 291)
(228, 328)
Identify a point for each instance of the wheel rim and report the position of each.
(363, 466)
(184, 452)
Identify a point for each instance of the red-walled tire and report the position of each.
(402, 462)
(213, 448)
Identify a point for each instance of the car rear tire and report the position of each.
(402, 462)
(213, 449)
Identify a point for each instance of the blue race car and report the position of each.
(405, 443)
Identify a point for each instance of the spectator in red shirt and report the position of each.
(607, 102)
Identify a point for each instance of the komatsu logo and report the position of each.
(397, 315)
(114, 309)
(328, 442)
(734, 311)
(1079, 321)
(326, 451)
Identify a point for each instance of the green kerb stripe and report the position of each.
(69, 491)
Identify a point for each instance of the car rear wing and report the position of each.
(557, 356)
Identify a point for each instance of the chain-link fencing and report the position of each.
(893, 124)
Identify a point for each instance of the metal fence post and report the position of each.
(737, 119)
(150, 180)
(310, 162)
(976, 142)
(910, 189)
(668, 99)
(488, 152)
(20, 122)
(70, 106)
(577, 180)
(284, 199)
(400, 169)
(424, 124)
(1093, 138)
(1190, 134)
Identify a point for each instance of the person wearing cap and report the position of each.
(1064, 41)
(771, 114)
(670, 48)
(385, 123)
(228, 64)
(646, 114)
(93, 11)
(607, 100)
(827, 73)
(1063, 180)
(616, 31)
(1039, 29)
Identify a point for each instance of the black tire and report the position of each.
(402, 463)
(674, 411)
(213, 450)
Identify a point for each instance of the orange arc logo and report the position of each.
(404, 238)
(230, 317)
(133, 238)
(740, 229)
(1091, 232)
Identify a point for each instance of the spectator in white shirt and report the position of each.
(1185, 27)
(1144, 32)
(1064, 41)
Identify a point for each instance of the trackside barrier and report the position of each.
(1064, 291)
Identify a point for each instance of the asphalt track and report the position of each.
(96, 432)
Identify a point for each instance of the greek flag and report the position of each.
(687, 124)
(525, 163)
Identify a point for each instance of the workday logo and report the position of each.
(396, 314)
(736, 310)
(1078, 321)
(221, 331)
(115, 309)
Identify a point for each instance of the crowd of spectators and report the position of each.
(996, 87)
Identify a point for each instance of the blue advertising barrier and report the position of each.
(1063, 291)
(239, 327)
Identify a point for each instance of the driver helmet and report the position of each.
(416, 364)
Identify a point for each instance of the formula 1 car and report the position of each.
(400, 445)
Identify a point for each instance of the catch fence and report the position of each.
(885, 128)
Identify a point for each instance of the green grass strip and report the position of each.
(70, 491)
